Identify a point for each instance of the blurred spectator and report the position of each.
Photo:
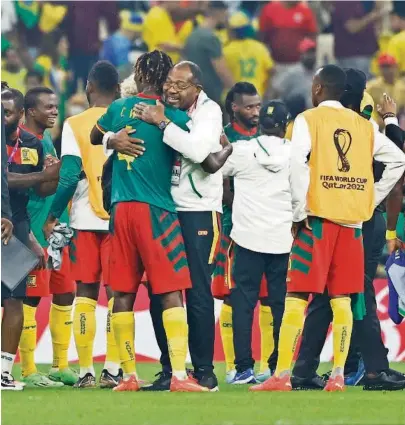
(128, 87)
(396, 46)
(76, 104)
(283, 24)
(204, 48)
(33, 79)
(163, 26)
(389, 83)
(355, 35)
(297, 81)
(124, 47)
(13, 71)
(82, 25)
(248, 59)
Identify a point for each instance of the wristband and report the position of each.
(389, 115)
(106, 137)
(391, 120)
(390, 235)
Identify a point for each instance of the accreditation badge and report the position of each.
(176, 171)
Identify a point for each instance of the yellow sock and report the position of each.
(266, 336)
(225, 322)
(175, 323)
(342, 326)
(28, 341)
(291, 328)
(112, 357)
(124, 330)
(84, 331)
(60, 325)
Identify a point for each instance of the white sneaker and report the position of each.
(230, 376)
(9, 384)
(263, 376)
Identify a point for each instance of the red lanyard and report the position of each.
(14, 151)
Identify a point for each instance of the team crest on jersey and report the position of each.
(270, 110)
(29, 156)
(32, 281)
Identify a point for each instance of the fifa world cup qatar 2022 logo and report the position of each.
(343, 140)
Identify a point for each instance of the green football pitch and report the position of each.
(233, 405)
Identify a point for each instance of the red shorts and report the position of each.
(147, 238)
(328, 256)
(90, 256)
(41, 283)
(221, 281)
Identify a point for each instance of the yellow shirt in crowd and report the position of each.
(14, 80)
(377, 87)
(249, 60)
(396, 48)
(158, 27)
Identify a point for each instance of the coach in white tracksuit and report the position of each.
(261, 232)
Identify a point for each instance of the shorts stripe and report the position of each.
(173, 232)
(297, 250)
(215, 239)
(300, 266)
(182, 262)
(306, 239)
(174, 253)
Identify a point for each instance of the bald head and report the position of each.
(328, 84)
(194, 70)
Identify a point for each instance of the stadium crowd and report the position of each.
(191, 138)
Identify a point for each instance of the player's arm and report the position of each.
(69, 178)
(215, 161)
(299, 169)
(393, 158)
(228, 195)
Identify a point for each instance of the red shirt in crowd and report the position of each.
(284, 27)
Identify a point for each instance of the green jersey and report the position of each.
(38, 207)
(146, 178)
(234, 133)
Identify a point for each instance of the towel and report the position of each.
(59, 238)
(395, 268)
(358, 306)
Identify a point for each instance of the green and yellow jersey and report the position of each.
(234, 132)
(146, 178)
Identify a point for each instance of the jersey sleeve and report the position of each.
(180, 118)
(69, 142)
(41, 158)
(267, 60)
(106, 121)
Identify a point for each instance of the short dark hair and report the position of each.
(35, 74)
(105, 76)
(14, 95)
(153, 68)
(333, 78)
(194, 69)
(4, 85)
(356, 81)
(240, 88)
(32, 95)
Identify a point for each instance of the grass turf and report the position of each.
(233, 405)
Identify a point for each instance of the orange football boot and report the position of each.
(335, 384)
(130, 384)
(274, 383)
(188, 385)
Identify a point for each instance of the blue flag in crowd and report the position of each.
(395, 268)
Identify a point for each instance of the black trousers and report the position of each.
(366, 337)
(201, 234)
(247, 271)
(21, 232)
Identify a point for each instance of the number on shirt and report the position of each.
(248, 67)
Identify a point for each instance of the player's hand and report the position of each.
(297, 227)
(387, 106)
(39, 252)
(6, 230)
(152, 114)
(122, 142)
(48, 227)
(50, 160)
(51, 172)
(224, 140)
(393, 245)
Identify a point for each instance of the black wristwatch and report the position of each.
(163, 124)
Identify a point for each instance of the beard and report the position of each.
(10, 129)
(246, 122)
